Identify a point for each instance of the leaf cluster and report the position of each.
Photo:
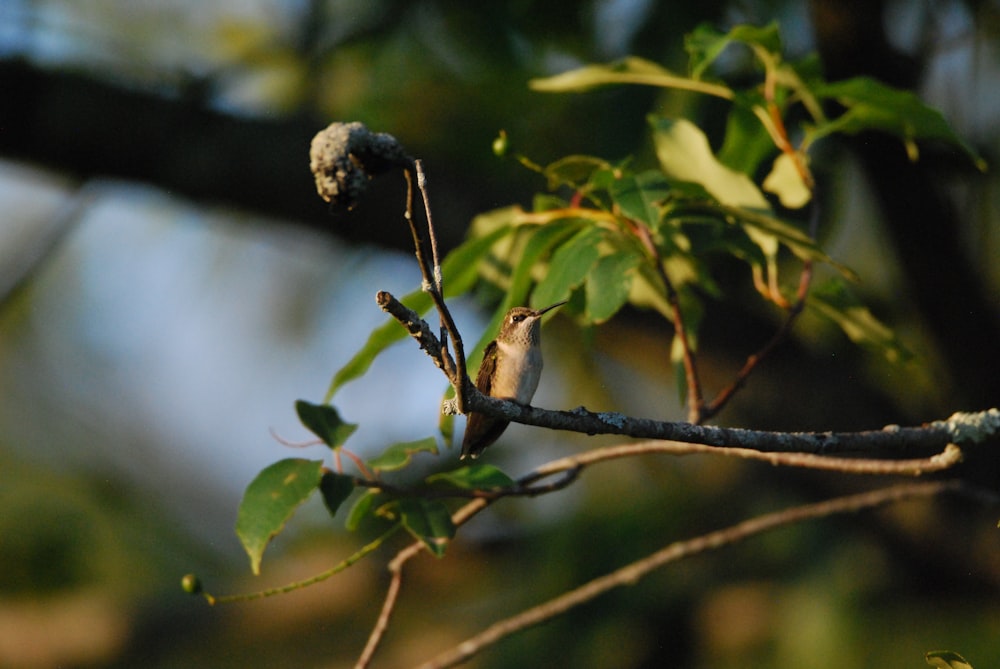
(277, 491)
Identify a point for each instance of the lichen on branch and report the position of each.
(344, 157)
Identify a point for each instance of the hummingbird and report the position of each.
(511, 368)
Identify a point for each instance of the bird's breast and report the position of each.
(517, 372)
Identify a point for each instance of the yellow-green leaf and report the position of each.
(835, 301)
(474, 477)
(946, 659)
(398, 455)
(785, 181)
(630, 70)
(684, 154)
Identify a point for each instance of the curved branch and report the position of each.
(793, 312)
(632, 573)
(696, 402)
(949, 457)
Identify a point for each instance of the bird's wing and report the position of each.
(484, 379)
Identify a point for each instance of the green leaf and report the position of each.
(270, 500)
(797, 241)
(324, 421)
(872, 105)
(630, 70)
(684, 154)
(714, 234)
(648, 291)
(946, 659)
(398, 455)
(705, 44)
(459, 270)
(573, 171)
(426, 519)
(747, 142)
(542, 240)
(641, 196)
(836, 302)
(336, 488)
(474, 477)
(362, 507)
(568, 267)
(609, 283)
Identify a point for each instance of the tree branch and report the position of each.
(573, 466)
(632, 573)
(695, 395)
(892, 438)
(382, 624)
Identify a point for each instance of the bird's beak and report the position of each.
(550, 307)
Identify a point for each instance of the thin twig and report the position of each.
(455, 370)
(632, 573)
(695, 398)
(947, 458)
(388, 606)
(418, 244)
(711, 409)
(312, 580)
(422, 185)
(794, 311)
(571, 467)
(395, 568)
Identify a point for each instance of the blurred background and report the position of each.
(170, 283)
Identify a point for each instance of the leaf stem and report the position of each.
(297, 585)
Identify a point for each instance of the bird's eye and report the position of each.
(518, 318)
